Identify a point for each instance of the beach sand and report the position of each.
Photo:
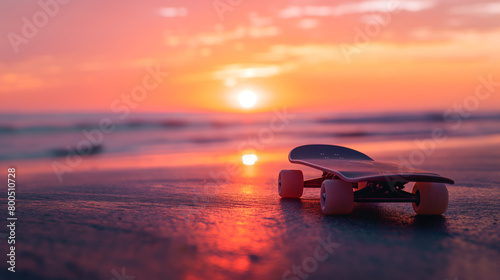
(177, 222)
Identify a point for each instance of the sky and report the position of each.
(201, 56)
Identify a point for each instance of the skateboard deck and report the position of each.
(353, 166)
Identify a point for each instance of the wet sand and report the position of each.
(175, 223)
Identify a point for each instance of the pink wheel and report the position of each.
(337, 197)
(432, 198)
(291, 183)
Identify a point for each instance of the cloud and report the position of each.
(35, 73)
(482, 9)
(355, 8)
(12, 82)
(245, 71)
(173, 12)
(308, 23)
(220, 36)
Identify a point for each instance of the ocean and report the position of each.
(36, 139)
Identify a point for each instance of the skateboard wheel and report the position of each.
(291, 183)
(432, 198)
(337, 197)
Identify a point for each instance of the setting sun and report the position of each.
(249, 159)
(247, 99)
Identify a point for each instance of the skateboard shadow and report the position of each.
(373, 235)
(381, 214)
(369, 214)
(291, 204)
(421, 222)
(299, 210)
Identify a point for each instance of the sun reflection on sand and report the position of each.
(239, 232)
(247, 189)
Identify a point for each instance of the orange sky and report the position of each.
(305, 55)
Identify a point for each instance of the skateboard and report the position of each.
(350, 176)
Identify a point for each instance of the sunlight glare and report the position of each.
(247, 99)
(249, 159)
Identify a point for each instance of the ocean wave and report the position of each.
(401, 118)
(50, 137)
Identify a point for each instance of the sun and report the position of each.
(247, 99)
(249, 159)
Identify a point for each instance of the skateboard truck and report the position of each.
(383, 192)
(372, 192)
